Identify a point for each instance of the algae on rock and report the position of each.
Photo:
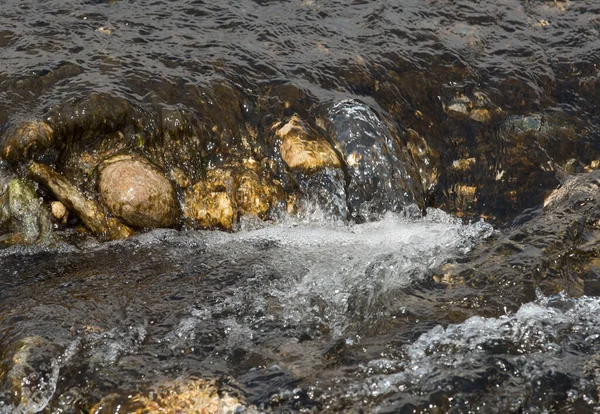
(23, 215)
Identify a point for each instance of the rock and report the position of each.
(459, 108)
(28, 374)
(579, 186)
(256, 194)
(376, 160)
(548, 249)
(321, 196)
(210, 203)
(226, 193)
(26, 140)
(466, 197)
(305, 149)
(464, 164)
(477, 107)
(209, 209)
(480, 115)
(573, 166)
(23, 215)
(426, 159)
(136, 192)
(191, 396)
(59, 211)
(88, 211)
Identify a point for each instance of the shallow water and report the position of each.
(275, 310)
(311, 313)
(222, 72)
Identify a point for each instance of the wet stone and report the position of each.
(182, 396)
(59, 211)
(303, 148)
(552, 244)
(321, 195)
(257, 194)
(28, 373)
(210, 203)
(23, 215)
(138, 193)
(230, 192)
(378, 178)
(426, 159)
(26, 140)
(89, 211)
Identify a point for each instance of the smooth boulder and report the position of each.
(137, 192)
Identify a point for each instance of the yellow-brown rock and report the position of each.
(426, 159)
(26, 139)
(138, 193)
(193, 396)
(257, 194)
(305, 149)
(210, 203)
(59, 211)
(225, 193)
(209, 209)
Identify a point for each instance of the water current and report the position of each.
(313, 312)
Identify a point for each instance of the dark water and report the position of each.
(318, 316)
(227, 70)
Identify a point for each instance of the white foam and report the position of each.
(337, 266)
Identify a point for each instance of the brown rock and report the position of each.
(26, 139)
(59, 211)
(426, 159)
(137, 192)
(211, 203)
(480, 115)
(256, 194)
(305, 149)
(192, 396)
(88, 211)
(217, 200)
(209, 210)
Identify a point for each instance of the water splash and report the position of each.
(520, 356)
(338, 275)
(33, 385)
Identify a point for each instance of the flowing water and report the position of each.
(318, 311)
(276, 309)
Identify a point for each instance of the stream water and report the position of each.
(308, 313)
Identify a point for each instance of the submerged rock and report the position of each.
(378, 179)
(92, 215)
(29, 371)
(257, 193)
(138, 193)
(426, 160)
(192, 396)
(304, 149)
(228, 192)
(25, 140)
(23, 215)
(211, 203)
(321, 196)
(548, 249)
